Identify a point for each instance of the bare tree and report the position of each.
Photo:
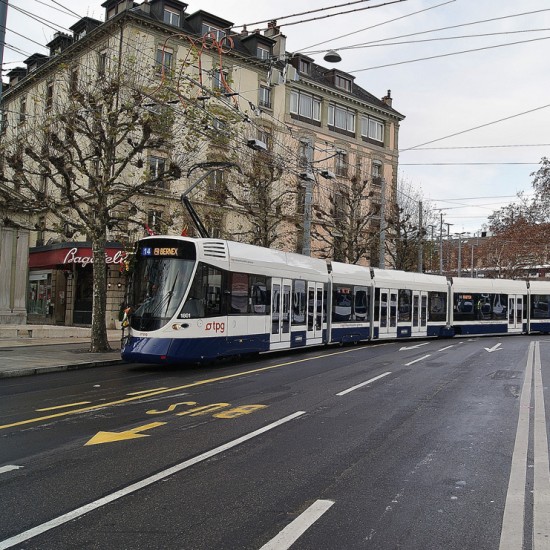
(82, 162)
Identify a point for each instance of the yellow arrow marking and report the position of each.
(134, 433)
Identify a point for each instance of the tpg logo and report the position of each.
(216, 327)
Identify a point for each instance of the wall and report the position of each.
(14, 259)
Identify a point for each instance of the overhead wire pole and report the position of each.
(3, 20)
(382, 252)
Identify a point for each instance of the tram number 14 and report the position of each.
(217, 410)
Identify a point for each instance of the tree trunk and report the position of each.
(99, 341)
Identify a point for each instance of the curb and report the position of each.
(59, 368)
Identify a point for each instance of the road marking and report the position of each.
(414, 347)
(363, 384)
(541, 485)
(60, 520)
(514, 511)
(134, 433)
(448, 347)
(511, 536)
(292, 532)
(63, 406)
(494, 348)
(171, 390)
(9, 468)
(146, 391)
(417, 360)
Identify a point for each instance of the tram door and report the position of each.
(515, 313)
(388, 313)
(314, 313)
(280, 311)
(419, 312)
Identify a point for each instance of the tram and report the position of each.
(195, 300)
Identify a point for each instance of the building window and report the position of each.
(342, 83)
(376, 172)
(157, 167)
(171, 17)
(304, 66)
(371, 128)
(305, 105)
(263, 52)
(213, 32)
(341, 164)
(164, 59)
(73, 81)
(154, 220)
(341, 118)
(22, 110)
(219, 79)
(102, 63)
(265, 136)
(265, 97)
(49, 96)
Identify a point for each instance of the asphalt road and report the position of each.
(442, 445)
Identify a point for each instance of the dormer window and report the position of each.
(342, 83)
(304, 66)
(212, 32)
(171, 17)
(263, 52)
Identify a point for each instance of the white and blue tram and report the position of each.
(200, 299)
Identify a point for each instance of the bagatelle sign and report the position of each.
(66, 254)
(75, 256)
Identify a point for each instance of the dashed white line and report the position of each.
(448, 347)
(56, 522)
(417, 360)
(363, 384)
(290, 534)
(9, 468)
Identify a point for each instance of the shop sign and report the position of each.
(74, 257)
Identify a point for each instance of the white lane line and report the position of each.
(56, 522)
(9, 468)
(541, 484)
(363, 384)
(511, 536)
(417, 360)
(290, 534)
(448, 347)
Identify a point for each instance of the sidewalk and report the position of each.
(38, 349)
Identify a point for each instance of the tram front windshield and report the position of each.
(159, 282)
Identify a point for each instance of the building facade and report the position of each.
(241, 111)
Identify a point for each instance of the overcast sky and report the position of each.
(506, 79)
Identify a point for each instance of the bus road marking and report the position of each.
(63, 406)
(363, 384)
(96, 504)
(293, 531)
(142, 392)
(417, 360)
(195, 384)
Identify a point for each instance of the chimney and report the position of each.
(145, 7)
(274, 31)
(387, 99)
(244, 31)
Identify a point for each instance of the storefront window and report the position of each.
(40, 293)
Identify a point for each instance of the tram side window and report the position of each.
(377, 304)
(480, 307)
(361, 303)
(437, 306)
(299, 303)
(342, 302)
(259, 294)
(539, 306)
(404, 305)
(206, 295)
